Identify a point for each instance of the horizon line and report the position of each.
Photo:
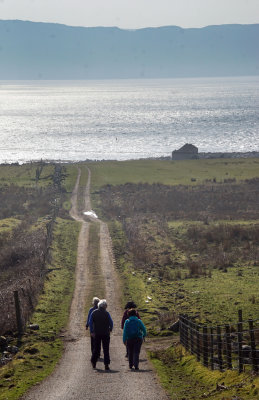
(125, 29)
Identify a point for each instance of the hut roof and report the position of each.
(188, 148)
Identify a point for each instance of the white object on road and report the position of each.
(90, 214)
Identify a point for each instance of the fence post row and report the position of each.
(198, 343)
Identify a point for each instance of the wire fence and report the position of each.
(222, 347)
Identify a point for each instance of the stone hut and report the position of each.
(187, 152)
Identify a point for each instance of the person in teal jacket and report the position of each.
(133, 333)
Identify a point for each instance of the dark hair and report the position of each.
(132, 312)
(130, 304)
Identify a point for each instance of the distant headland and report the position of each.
(34, 50)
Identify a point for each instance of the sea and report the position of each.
(126, 119)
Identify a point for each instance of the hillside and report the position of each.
(31, 50)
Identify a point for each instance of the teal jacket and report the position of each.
(142, 332)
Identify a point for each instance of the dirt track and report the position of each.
(74, 378)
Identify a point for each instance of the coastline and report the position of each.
(202, 155)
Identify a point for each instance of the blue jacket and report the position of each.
(89, 315)
(141, 331)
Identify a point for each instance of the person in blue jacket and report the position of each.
(95, 307)
(133, 333)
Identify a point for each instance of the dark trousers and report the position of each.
(105, 341)
(134, 346)
(92, 346)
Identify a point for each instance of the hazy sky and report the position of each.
(133, 13)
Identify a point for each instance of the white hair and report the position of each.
(95, 301)
(102, 304)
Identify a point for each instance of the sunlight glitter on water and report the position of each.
(126, 119)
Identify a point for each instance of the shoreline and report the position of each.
(200, 156)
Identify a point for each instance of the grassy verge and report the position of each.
(41, 349)
(184, 378)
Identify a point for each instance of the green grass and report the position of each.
(216, 299)
(51, 314)
(25, 174)
(8, 224)
(71, 172)
(171, 172)
(184, 378)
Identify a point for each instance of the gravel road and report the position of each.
(74, 378)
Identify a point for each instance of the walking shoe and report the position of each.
(136, 368)
(93, 364)
(107, 368)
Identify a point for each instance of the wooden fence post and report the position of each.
(228, 347)
(253, 346)
(181, 328)
(205, 346)
(219, 345)
(240, 341)
(198, 342)
(211, 349)
(187, 333)
(18, 312)
(191, 324)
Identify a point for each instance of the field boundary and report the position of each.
(226, 346)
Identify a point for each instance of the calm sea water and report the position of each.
(126, 119)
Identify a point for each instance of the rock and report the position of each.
(3, 341)
(13, 349)
(34, 327)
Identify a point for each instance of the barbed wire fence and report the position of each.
(221, 347)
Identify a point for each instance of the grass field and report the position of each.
(167, 272)
(171, 172)
(160, 263)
